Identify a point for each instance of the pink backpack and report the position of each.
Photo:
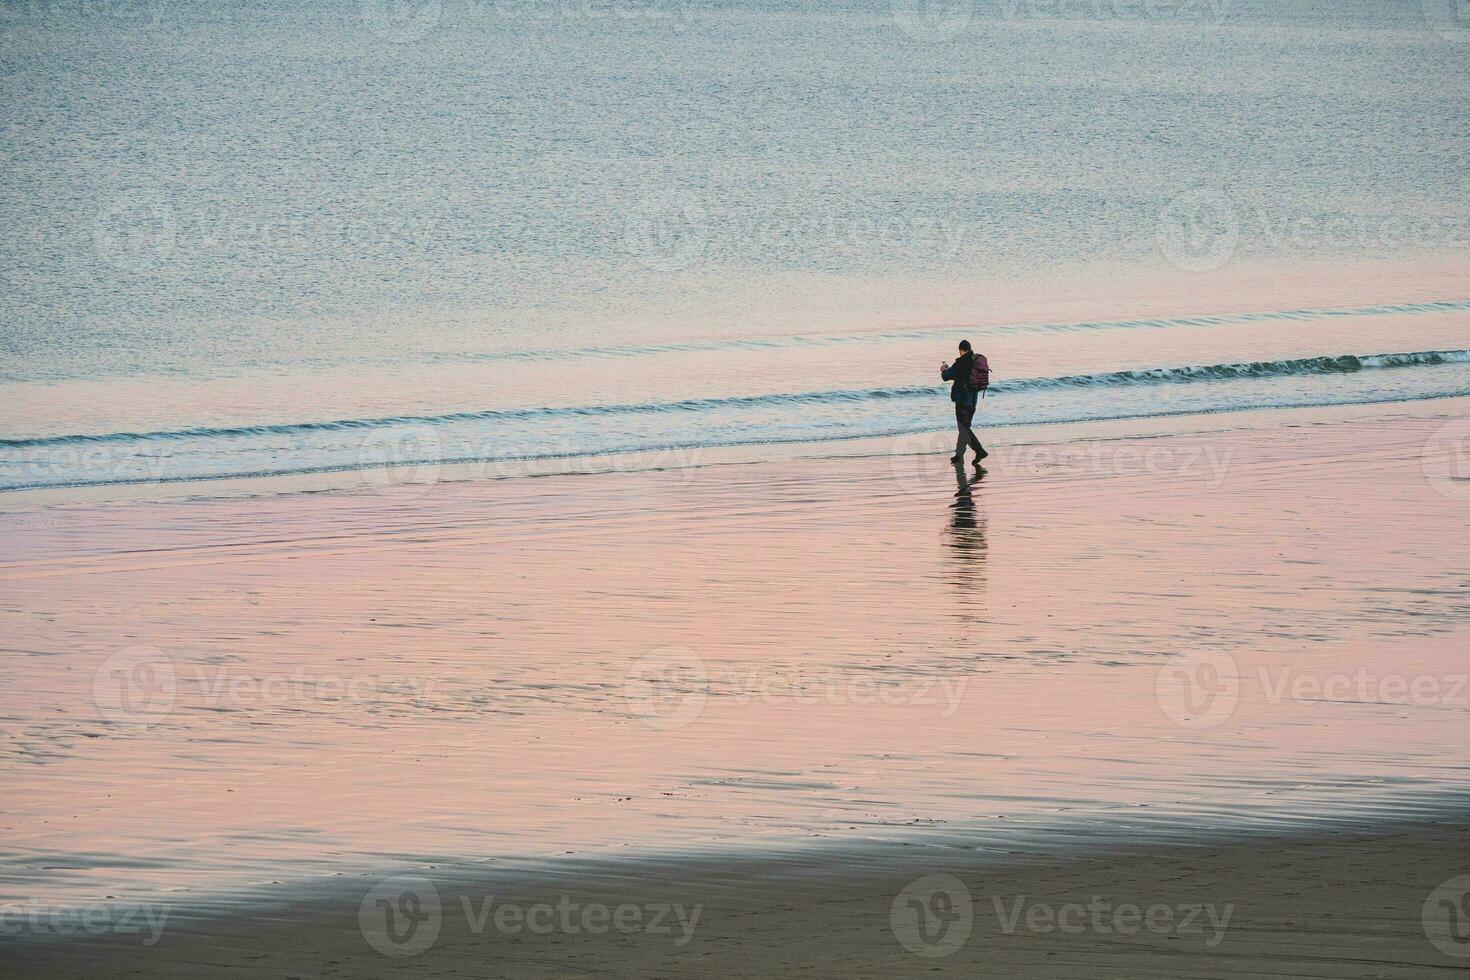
(979, 374)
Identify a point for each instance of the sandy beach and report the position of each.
(1339, 904)
(1210, 662)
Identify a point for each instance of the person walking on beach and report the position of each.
(964, 396)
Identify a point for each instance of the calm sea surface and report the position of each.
(271, 238)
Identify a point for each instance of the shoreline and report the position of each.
(486, 420)
(389, 478)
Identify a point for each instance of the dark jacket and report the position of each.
(959, 372)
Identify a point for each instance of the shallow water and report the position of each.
(208, 694)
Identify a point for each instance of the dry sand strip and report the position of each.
(1340, 905)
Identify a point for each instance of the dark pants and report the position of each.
(964, 414)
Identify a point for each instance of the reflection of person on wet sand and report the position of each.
(967, 524)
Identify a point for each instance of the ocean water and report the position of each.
(264, 238)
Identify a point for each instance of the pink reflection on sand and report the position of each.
(363, 678)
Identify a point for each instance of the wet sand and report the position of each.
(1339, 904)
(1211, 665)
